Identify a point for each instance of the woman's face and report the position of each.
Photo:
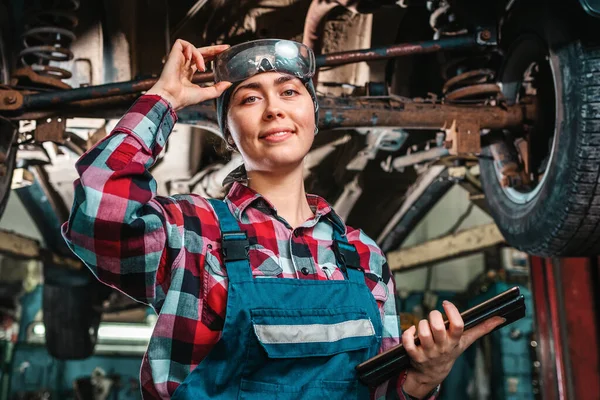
(271, 118)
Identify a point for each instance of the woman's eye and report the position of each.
(249, 99)
(289, 92)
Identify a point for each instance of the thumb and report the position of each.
(212, 92)
(480, 330)
(196, 94)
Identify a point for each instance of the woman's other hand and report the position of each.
(175, 82)
(432, 360)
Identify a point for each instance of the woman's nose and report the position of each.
(272, 111)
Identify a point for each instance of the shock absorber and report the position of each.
(467, 78)
(48, 36)
(469, 81)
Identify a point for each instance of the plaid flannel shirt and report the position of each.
(163, 251)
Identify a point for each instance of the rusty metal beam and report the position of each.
(18, 246)
(357, 112)
(460, 244)
(341, 113)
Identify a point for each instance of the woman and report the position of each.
(223, 330)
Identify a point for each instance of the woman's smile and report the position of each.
(276, 135)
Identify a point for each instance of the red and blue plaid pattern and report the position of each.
(164, 251)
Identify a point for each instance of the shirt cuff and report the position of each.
(151, 119)
(429, 396)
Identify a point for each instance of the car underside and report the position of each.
(415, 96)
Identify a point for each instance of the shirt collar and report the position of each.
(241, 197)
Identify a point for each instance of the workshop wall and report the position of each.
(17, 219)
(453, 275)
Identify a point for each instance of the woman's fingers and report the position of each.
(199, 60)
(456, 324)
(438, 329)
(175, 82)
(425, 335)
(408, 342)
(208, 92)
(210, 52)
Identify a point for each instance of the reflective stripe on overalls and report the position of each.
(287, 338)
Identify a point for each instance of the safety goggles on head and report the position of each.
(245, 60)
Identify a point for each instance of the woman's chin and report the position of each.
(281, 161)
(283, 155)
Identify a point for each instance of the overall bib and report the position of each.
(287, 338)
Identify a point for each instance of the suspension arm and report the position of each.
(338, 112)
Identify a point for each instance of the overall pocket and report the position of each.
(306, 353)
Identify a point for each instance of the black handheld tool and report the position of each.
(509, 304)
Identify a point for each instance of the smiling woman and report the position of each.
(233, 280)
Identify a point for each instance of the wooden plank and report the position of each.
(460, 244)
(14, 245)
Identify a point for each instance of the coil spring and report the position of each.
(48, 36)
(442, 20)
(468, 82)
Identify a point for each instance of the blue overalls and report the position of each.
(287, 338)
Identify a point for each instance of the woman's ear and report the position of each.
(229, 140)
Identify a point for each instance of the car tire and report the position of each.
(561, 217)
(8, 136)
(70, 314)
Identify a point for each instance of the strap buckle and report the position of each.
(235, 246)
(347, 256)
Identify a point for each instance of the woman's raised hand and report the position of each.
(433, 359)
(175, 82)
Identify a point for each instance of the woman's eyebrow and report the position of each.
(252, 85)
(283, 79)
(257, 85)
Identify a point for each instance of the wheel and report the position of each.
(70, 314)
(8, 132)
(555, 209)
(8, 156)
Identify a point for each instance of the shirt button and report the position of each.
(304, 271)
(296, 233)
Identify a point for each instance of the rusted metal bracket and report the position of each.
(10, 100)
(463, 138)
(38, 80)
(51, 130)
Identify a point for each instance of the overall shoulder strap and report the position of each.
(347, 258)
(234, 243)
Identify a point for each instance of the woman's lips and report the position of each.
(277, 137)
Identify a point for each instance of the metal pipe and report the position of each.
(397, 50)
(313, 23)
(49, 99)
